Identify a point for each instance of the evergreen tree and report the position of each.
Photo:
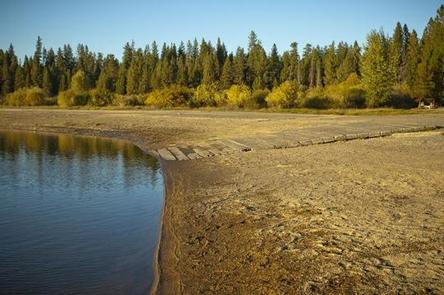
(6, 78)
(194, 74)
(256, 62)
(294, 61)
(376, 73)
(134, 76)
(108, 76)
(47, 82)
(330, 65)
(128, 51)
(412, 59)
(304, 67)
(79, 82)
(121, 80)
(209, 69)
(19, 78)
(9, 66)
(27, 71)
(274, 67)
(430, 71)
(341, 53)
(221, 55)
(239, 67)
(396, 48)
(350, 64)
(182, 71)
(312, 70)
(227, 77)
(404, 54)
(36, 68)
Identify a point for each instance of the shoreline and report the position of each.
(251, 200)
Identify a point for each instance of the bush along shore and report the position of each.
(400, 70)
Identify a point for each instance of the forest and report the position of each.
(397, 70)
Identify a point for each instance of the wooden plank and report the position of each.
(231, 145)
(211, 147)
(153, 153)
(222, 147)
(178, 153)
(203, 153)
(166, 154)
(242, 146)
(194, 156)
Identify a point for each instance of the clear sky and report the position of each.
(106, 25)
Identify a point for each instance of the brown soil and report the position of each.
(364, 216)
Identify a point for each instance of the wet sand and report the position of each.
(362, 216)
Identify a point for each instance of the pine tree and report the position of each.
(221, 55)
(412, 59)
(108, 76)
(36, 68)
(209, 69)
(19, 78)
(47, 82)
(79, 82)
(274, 67)
(312, 70)
(330, 65)
(134, 75)
(239, 67)
(9, 66)
(256, 62)
(194, 75)
(350, 64)
(404, 53)
(6, 78)
(227, 77)
(294, 61)
(341, 53)
(376, 73)
(128, 51)
(121, 80)
(182, 71)
(318, 73)
(396, 48)
(430, 71)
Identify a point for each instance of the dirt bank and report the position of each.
(364, 216)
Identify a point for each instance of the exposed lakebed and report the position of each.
(77, 215)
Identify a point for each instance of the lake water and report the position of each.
(78, 215)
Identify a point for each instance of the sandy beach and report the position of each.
(350, 216)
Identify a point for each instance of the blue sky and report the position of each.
(106, 25)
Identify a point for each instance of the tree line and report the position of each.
(390, 70)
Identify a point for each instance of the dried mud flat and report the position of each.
(363, 216)
(357, 217)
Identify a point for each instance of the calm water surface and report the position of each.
(78, 215)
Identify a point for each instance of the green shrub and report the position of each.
(258, 98)
(16, 98)
(239, 95)
(347, 94)
(27, 97)
(317, 102)
(100, 97)
(402, 97)
(128, 100)
(71, 97)
(172, 96)
(316, 98)
(284, 96)
(79, 82)
(208, 95)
